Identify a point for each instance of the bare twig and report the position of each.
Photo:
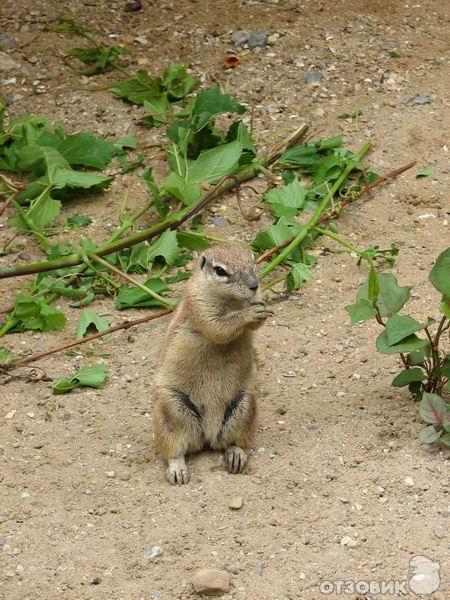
(384, 178)
(89, 338)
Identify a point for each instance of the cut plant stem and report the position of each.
(127, 277)
(344, 202)
(322, 207)
(337, 238)
(171, 222)
(125, 325)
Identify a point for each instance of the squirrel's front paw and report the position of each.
(177, 473)
(259, 311)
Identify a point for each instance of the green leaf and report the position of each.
(126, 141)
(445, 439)
(90, 320)
(152, 187)
(94, 376)
(78, 221)
(98, 59)
(39, 159)
(138, 88)
(391, 297)
(186, 239)
(61, 178)
(158, 107)
(212, 165)
(398, 327)
(5, 356)
(357, 112)
(432, 409)
(426, 172)
(287, 200)
(445, 307)
(211, 102)
(178, 82)
(63, 386)
(301, 157)
(130, 166)
(271, 237)
(428, 435)
(166, 247)
(87, 150)
(362, 310)
(135, 297)
(407, 376)
(297, 275)
(408, 344)
(440, 273)
(186, 191)
(32, 313)
(330, 143)
(42, 212)
(416, 391)
(416, 357)
(238, 131)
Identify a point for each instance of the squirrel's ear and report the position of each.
(202, 262)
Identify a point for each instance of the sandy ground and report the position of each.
(83, 495)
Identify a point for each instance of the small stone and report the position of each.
(3, 519)
(211, 581)
(349, 542)
(133, 6)
(312, 77)
(153, 552)
(7, 63)
(338, 359)
(6, 40)
(10, 414)
(240, 37)
(236, 502)
(96, 580)
(344, 499)
(2, 541)
(233, 569)
(259, 569)
(110, 474)
(257, 39)
(419, 100)
(409, 481)
(439, 532)
(218, 222)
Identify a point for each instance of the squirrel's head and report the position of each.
(229, 270)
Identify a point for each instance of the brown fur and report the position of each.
(204, 389)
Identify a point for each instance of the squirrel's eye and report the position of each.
(220, 272)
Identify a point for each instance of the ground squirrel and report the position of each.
(203, 396)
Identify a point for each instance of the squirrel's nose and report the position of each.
(251, 281)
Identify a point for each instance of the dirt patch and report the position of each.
(83, 495)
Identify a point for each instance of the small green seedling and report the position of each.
(426, 362)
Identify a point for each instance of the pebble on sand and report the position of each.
(212, 582)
